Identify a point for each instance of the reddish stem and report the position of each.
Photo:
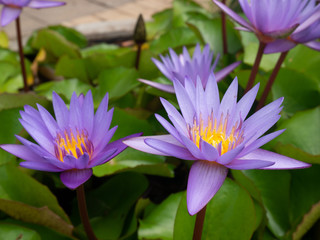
(197, 232)
(84, 213)
(23, 68)
(224, 30)
(271, 80)
(255, 67)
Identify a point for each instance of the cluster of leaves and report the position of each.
(142, 196)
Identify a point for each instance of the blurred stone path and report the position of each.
(93, 18)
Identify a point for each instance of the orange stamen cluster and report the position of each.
(215, 133)
(69, 143)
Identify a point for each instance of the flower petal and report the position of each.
(248, 164)
(225, 71)
(87, 112)
(205, 179)
(9, 14)
(74, 178)
(163, 87)
(44, 4)
(279, 45)
(233, 15)
(139, 143)
(22, 152)
(41, 166)
(227, 157)
(281, 162)
(314, 45)
(169, 149)
(60, 110)
(83, 161)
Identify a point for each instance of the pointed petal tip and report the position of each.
(74, 178)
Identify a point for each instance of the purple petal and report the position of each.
(44, 4)
(67, 164)
(87, 112)
(245, 103)
(22, 152)
(229, 101)
(279, 45)
(139, 143)
(314, 45)
(169, 149)
(225, 71)
(34, 147)
(49, 121)
(209, 152)
(83, 161)
(168, 127)
(41, 166)
(281, 162)
(108, 152)
(104, 141)
(227, 157)
(60, 110)
(205, 179)
(9, 14)
(192, 147)
(233, 15)
(74, 178)
(212, 95)
(45, 141)
(75, 120)
(163, 87)
(248, 164)
(260, 142)
(186, 106)
(175, 117)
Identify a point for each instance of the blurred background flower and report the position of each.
(201, 65)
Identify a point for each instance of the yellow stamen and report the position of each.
(216, 133)
(69, 143)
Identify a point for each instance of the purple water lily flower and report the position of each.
(180, 66)
(275, 19)
(13, 8)
(216, 135)
(73, 143)
(307, 36)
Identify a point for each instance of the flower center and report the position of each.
(215, 133)
(69, 143)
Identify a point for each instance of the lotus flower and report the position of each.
(73, 143)
(179, 67)
(13, 8)
(271, 20)
(216, 135)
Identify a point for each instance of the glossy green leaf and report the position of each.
(72, 68)
(64, 87)
(133, 160)
(303, 131)
(159, 223)
(55, 44)
(11, 231)
(176, 37)
(98, 49)
(111, 202)
(9, 126)
(128, 124)
(161, 23)
(71, 35)
(274, 187)
(117, 82)
(8, 101)
(210, 30)
(300, 92)
(24, 198)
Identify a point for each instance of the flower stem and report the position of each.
(271, 80)
(139, 45)
(224, 30)
(255, 67)
(197, 232)
(23, 68)
(84, 213)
